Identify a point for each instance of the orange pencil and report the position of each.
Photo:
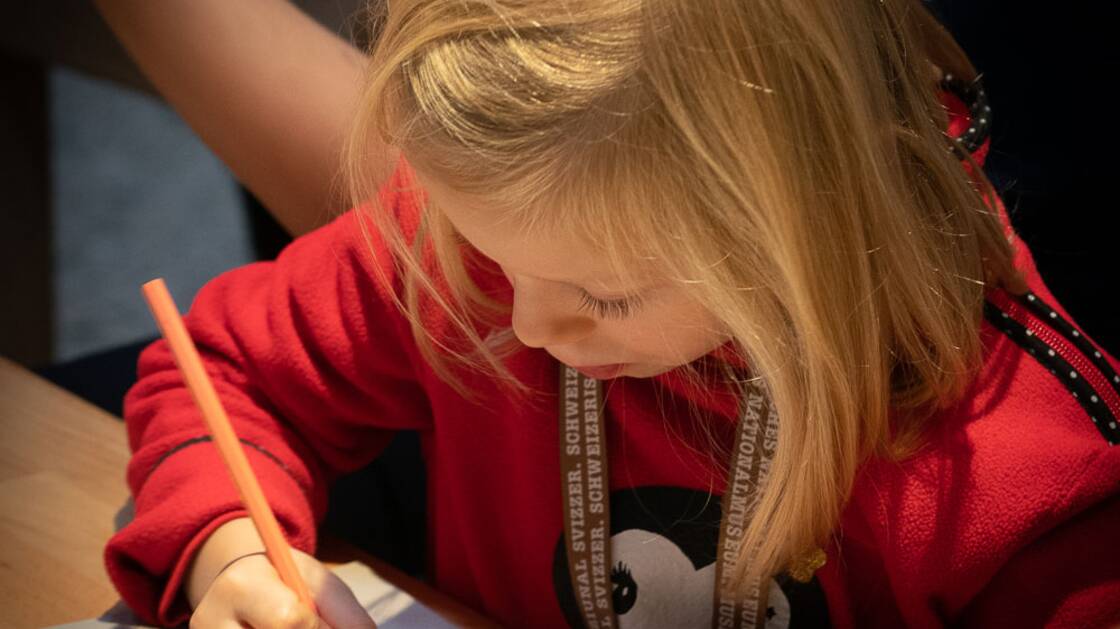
(186, 357)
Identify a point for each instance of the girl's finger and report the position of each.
(339, 607)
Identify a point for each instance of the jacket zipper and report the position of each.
(1071, 354)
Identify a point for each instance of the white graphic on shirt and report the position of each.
(656, 585)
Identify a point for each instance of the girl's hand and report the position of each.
(249, 593)
(244, 590)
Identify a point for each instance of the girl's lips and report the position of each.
(602, 372)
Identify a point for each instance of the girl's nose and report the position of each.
(543, 316)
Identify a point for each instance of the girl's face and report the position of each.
(566, 302)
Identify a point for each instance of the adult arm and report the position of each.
(269, 89)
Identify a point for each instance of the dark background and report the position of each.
(1051, 72)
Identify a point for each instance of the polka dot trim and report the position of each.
(1063, 326)
(1080, 388)
(972, 94)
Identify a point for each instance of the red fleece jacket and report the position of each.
(1008, 515)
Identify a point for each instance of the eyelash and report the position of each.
(612, 309)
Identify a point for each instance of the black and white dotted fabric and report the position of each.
(1066, 329)
(1074, 381)
(979, 111)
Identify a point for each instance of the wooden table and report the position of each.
(62, 481)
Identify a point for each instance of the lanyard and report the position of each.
(583, 465)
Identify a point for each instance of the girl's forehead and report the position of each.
(550, 253)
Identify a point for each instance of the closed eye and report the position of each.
(609, 308)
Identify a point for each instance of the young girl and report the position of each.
(834, 389)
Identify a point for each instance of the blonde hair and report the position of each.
(786, 160)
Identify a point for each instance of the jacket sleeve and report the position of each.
(1069, 577)
(316, 369)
